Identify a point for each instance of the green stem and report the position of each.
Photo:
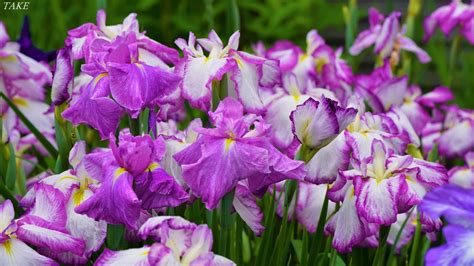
(416, 242)
(227, 220)
(380, 253)
(453, 53)
(134, 126)
(319, 238)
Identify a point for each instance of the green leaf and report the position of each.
(414, 151)
(433, 156)
(114, 235)
(298, 247)
(11, 170)
(46, 144)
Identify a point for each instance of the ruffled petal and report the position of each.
(157, 189)
(377, 200)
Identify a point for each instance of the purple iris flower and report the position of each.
(44, 226)
(448, 17)
(233, 151)
(130, 179)
(176, 242)
(248, 73)
(117, 72)
(456, 205)
(463, 175)
(387, 37)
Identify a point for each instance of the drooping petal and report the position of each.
(364, 40)
(345, 225)
(114, 201)
(99, 112)
(246, 206)
(222, 164)
(309, 204)
(135, 86)
(246, 77)
(328, 161)
(409, 45)
(52, 239)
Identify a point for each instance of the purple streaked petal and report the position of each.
(135, 86)
(438, 95)
(309, 204)
(387, 35)
(246, 206)
(364, 40)
(325, 164)
(157, 189)
(114, 201)
(198, 76)
(457, 140)
(346, 227)
(52, 239)
(377, 200)
(409, 45)
(222, 163)
(246, 78)
(63, 80)
(133, 256)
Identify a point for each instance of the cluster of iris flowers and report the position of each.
(146, 155)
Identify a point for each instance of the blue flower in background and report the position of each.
(456, 205)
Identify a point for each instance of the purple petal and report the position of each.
(63, 80)
(452, 202)
(157, 189)
(114, 201)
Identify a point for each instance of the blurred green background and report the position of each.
(266, 20)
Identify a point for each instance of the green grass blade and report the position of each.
(46, 144)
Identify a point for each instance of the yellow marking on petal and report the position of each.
(320, 62)
(20, 102)
(145, 253)
(239, 62)
(10, 58)
(66, 177)
(78, 197)
(303, 57)
(99, 77)
(8, 247)
(228, 142)
(119, 172)
(153, 166)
